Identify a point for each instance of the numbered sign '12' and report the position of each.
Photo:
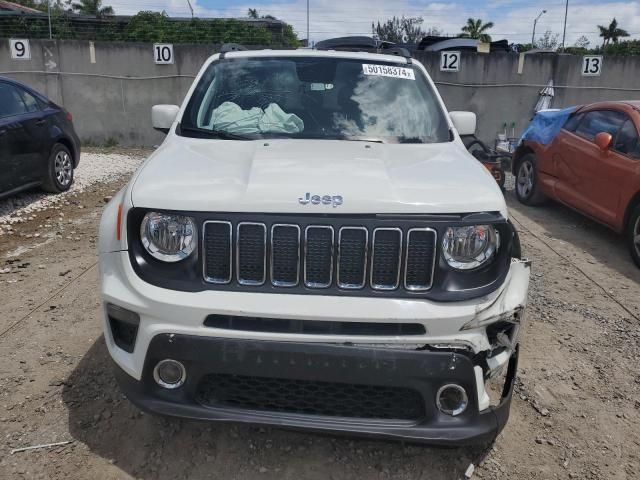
(20, 49)
(163, 53)
(449, 61)
(591, 65)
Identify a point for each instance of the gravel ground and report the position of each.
(575, 413)
(94, 168)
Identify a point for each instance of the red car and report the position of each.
(592, 165)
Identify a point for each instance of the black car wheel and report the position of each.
(633, 232)
(59, 170)
(527, 188)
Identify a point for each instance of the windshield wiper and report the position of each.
(204, 133)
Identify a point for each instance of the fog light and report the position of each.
(169, 374)
(452, 399)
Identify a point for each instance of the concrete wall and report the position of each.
(491, 86)
(112, 98)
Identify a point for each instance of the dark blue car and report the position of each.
(38, 144)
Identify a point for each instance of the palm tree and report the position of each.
(476, 29)
(93, 8)
(252, 13)
(611, 33)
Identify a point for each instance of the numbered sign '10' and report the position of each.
(20, 49)
(591, 65)
(163, 53)
(449, 61)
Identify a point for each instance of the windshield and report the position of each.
(320, 98)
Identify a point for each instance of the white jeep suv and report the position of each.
(313, 247)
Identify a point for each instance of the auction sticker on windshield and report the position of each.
(388, 71)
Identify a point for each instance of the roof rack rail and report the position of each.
(231, 47)
(363, 44)
(400, 51)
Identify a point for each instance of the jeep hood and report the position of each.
(270, 175)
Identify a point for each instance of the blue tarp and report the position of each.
(544, 127)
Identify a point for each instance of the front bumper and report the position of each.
(172, 325)
(163, 311)
(423, 372)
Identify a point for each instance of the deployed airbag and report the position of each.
(544, 127)
(230, 117)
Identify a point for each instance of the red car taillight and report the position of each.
(69, 117)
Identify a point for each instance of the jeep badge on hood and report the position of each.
(334, 200)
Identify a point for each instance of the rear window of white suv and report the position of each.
(315, 97)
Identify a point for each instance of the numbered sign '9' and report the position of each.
(20, 49)
(591, 65)
(449, 61)
(163, 53)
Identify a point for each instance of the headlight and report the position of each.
(469, 247)
(167, 237)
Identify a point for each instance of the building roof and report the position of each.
(14, 7)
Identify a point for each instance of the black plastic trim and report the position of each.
(448, 284)
(124, 326)
(312, 327)
(421, 370)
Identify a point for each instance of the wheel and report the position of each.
(59, 170)
(527, 187)
(634, 235)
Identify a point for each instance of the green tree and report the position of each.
(38, 5)
(475, 28)
(624, 48)
(93, 8)
(548, 41)
(253, 14)
(42, 5)
(582, 42)
(400, 30)
(611, 33)
(148, 27)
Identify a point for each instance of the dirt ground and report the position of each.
(576, 411)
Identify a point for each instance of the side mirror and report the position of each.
(465, 122)
(603, 141)
(163, 116)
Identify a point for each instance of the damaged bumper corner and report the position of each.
(510, 303)
(496, 366)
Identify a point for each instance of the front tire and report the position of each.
(59, 176)
(527, 186)
(633, 235)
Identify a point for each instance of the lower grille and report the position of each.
(310, 397)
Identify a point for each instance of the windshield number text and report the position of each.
(388, 71)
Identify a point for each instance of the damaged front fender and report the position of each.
(510, 304)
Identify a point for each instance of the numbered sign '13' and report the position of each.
(20, 49)
(163, 53)
(450, 61)
(591, 65)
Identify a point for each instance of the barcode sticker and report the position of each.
(388, 71)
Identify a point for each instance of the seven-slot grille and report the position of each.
(319, 256)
